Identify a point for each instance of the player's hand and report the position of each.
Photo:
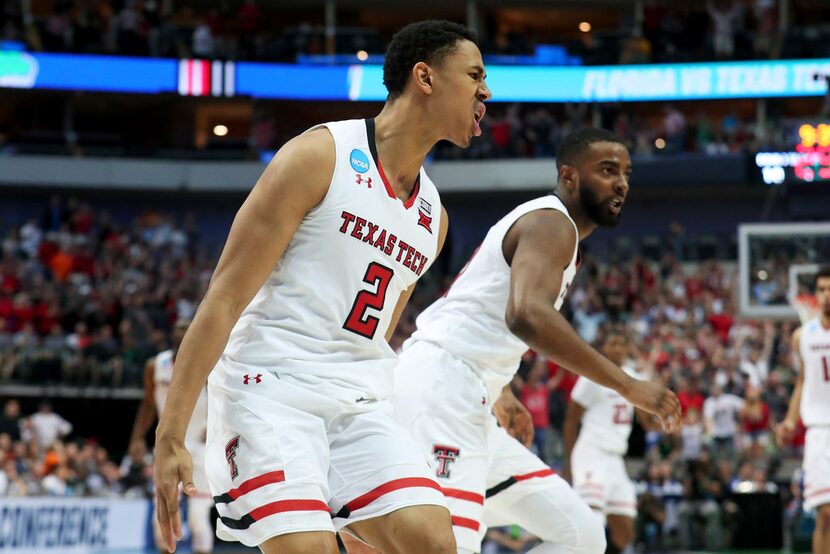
(656, 399)
(173, 466)
(784, 431)
(514, 417)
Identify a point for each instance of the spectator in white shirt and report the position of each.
(48, 426)
(755, 359)
(720, 412)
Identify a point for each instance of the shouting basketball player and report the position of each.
(467, 346)
(811, 399)
(157, 375)
(318, 265)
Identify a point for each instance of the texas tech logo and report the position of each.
(230, 455)
(444, 457)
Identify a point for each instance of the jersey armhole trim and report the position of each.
(329, 193)
(501, 243)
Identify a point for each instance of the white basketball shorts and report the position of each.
(817, 467)
(601, 480)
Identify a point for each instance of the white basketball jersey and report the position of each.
(326, 307)
(815, 356)
(606, 422)
(469, 321)
(162, 376)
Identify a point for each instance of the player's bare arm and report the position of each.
(570, 432)
(146, 415)
(785, 429)
(295, 181)
(407, 294)
(538, 248)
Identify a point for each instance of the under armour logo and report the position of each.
(230, 454)
(247, 378)
(444, 455)
(360, 180)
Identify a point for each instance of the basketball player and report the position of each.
(467, 346)
(595, 459)
(319, 263)
(811, 399)
(158, 372)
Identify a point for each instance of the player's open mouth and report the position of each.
(616, 205)
(478, 115)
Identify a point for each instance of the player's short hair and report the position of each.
(822, 273)
(574, 145)
(425, 41)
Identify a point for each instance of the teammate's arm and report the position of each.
(570, 432)
(146, 415)
(295, 181)
(785, 429)
(538, 248)
(405, 295)
(514, 416)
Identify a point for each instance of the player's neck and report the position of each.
(403, 140)
(584, 225)
(825, 320)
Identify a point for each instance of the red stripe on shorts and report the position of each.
(289, 506)
(463, 495)
(540, 473)
(256, 482)
(465, 522)
(816, 493)
(404, 483)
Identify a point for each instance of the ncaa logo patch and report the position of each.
(359, 161)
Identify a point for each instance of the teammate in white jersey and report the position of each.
(596, 466)
(158, 372)
(811, 399)
(293, 329)
(455, 368)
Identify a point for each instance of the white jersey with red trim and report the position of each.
(606, 422)
(469, 321)
(815, 357)
(326, 306)
(162, 375)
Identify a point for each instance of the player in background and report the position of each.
(601, 419)
(319, 263)
(811, 400)
(454, 371)
(158, 372)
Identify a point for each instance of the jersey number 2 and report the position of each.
(358, 321)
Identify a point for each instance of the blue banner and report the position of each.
(364, 82)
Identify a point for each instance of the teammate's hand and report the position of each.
(173, 466)
(656, 399)
(784, 431)
(514, 417)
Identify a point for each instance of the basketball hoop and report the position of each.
(806, 305)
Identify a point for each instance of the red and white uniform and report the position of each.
(301, 426)
(597, 464)
(198, 507)
(815, 412)
(451, 370)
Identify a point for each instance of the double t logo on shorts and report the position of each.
(230, 454)
(444, 455)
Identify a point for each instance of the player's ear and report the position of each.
(422, 77)
(568, 177)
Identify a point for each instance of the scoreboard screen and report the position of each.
(808, 162)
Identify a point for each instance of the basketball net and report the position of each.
(806, 305)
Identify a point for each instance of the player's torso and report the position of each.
(606, 423)
(815, 355)
(469, 321)
(162, 377)
(330, 299)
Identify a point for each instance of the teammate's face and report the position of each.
(459, 93)
(823, 295)
(603, 182)
(615, 349)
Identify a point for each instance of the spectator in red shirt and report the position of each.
(755, 422)
(535, 395)
(689, 395)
